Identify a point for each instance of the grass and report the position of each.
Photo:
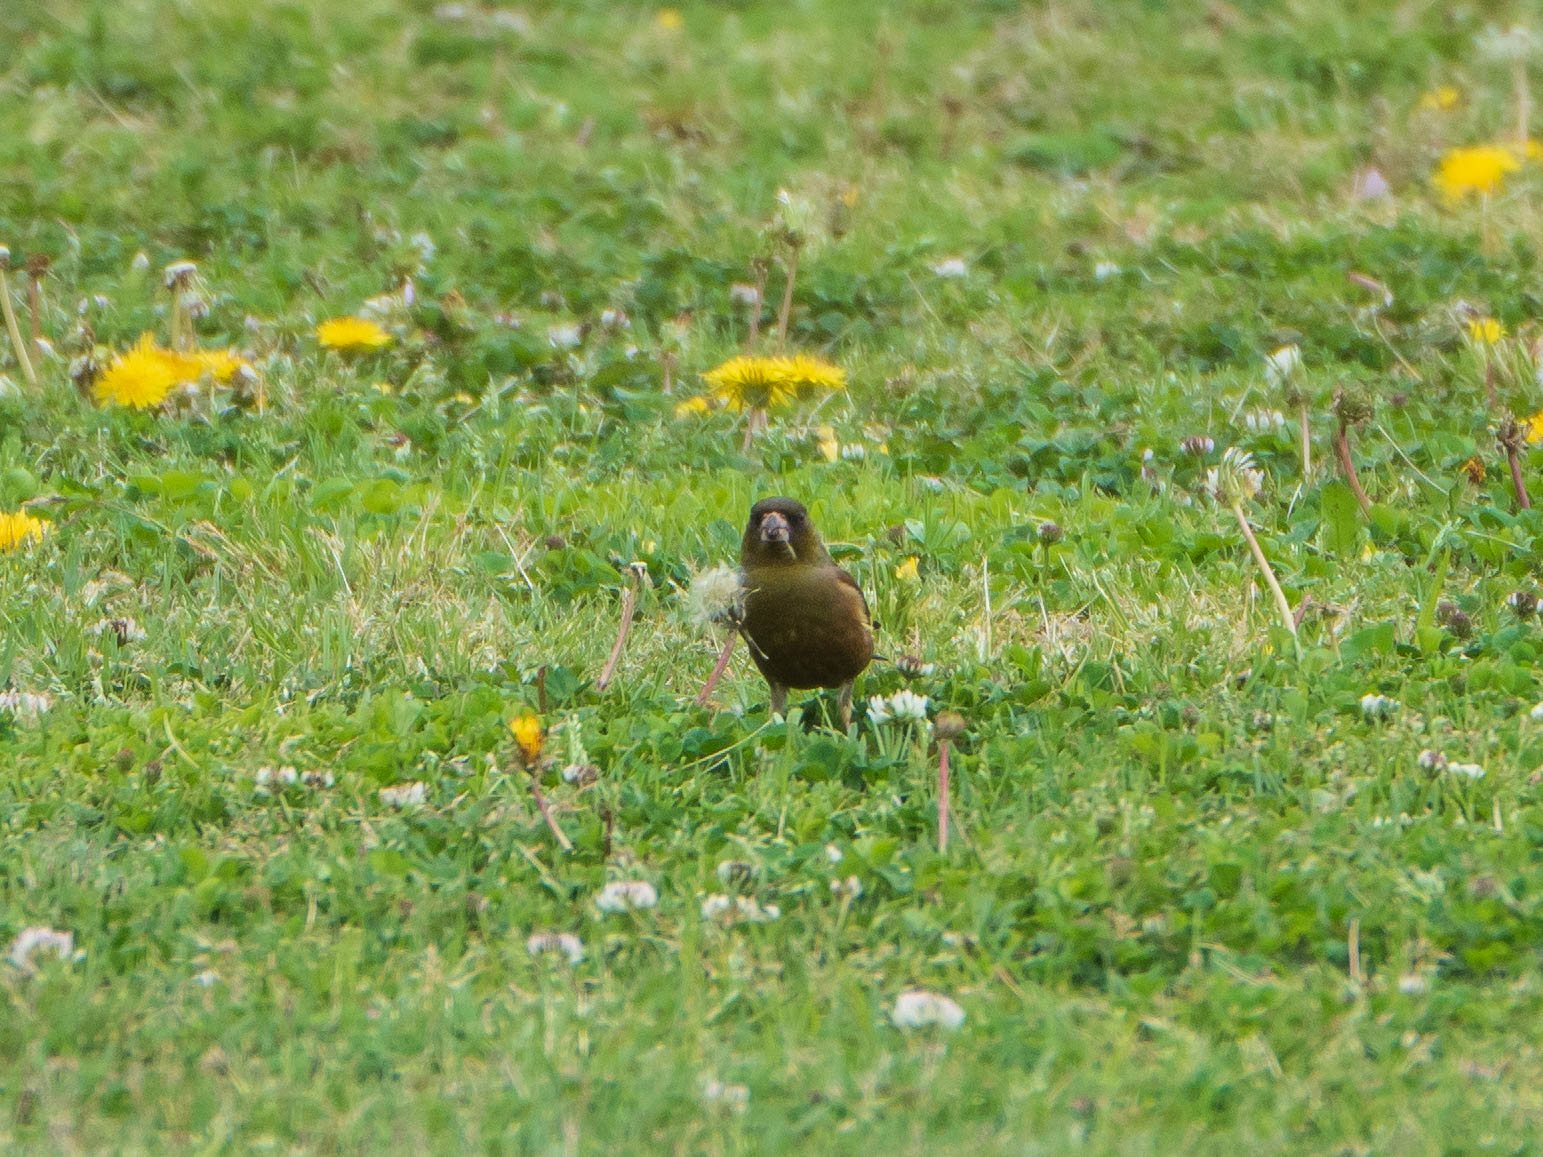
(1197, 895)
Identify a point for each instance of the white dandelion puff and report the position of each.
(921, 1009)
(30, 941)
(404, 795)
(623, 895)
(557, 944)
(716, 596)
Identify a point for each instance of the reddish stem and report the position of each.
(629, 602)
(1342, 446)
(1517, 483)
(719, 668)
(942, 795)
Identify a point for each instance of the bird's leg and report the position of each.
(844, 704)
(779, 699)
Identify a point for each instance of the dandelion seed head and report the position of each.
(922, 1009)
(716, 597)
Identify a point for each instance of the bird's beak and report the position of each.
(774, 528)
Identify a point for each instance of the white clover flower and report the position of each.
(1284, 364)
(908, 707)
(741, 294)
(32, 940)
(1235, 480)
(125, 628)
(318, 779)
(716, 596)
(878, 710)
(1378, 706)
(1263, 421)
(1466, 770)
(1104, 270)
(622, 895)
(1431, 760)
(564, 336)
(612, 318)
(951, 267)
(556, 943)
(424, 245)
(1536, 712)
(735, 871)
(737, 909)
(267, 777)
(25, 704)
(1413, 983)
(735, 1098)
(141, 262)
(832, 854)
(921, 1009)
(850, 888)
(404, 795)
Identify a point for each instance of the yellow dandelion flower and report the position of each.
(1440, 99)
(17, 528)
(1474, 468)
(809, 373)
(1534, 428)
(906, 571)
(830, 445)
(1479, 169)
(1485, 330)
(142, 377)
(350, 334)
(669, 19)
(693, 408)
(752, 383)
(221, 365)
(527, 736)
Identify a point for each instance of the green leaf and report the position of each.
(1341, 519)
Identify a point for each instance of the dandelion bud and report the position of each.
(177, 274)
(1454, 619)
(1050, 533)
(948, 725)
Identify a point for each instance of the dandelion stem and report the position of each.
(1523, 102)
(1288, 620)
(1307, 442)
(755, 306)
(629, 602)
(791, 265)
(719, 668)
(1512, 439)
(546, 814)
(943, 795)
(35, 305)
(1342, 447)
(15, 332)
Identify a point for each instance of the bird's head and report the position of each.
(780, 534)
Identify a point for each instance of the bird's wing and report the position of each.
(848, 580)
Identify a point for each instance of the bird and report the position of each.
(804, 619)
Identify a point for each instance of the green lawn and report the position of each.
(1202, 894)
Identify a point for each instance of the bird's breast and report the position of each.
(807, 628)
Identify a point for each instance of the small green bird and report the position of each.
(805, 619)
